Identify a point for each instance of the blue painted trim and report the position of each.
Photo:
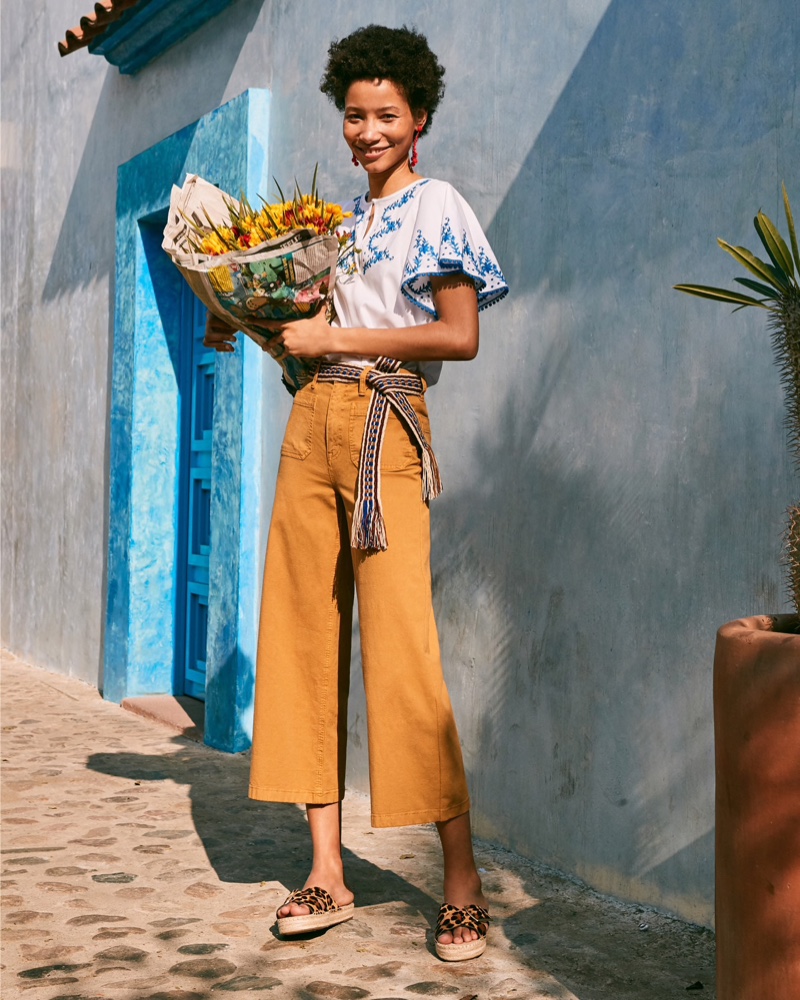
(228, 147)
(150, 28)
(233, 627)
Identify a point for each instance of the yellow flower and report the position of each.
(246, 228)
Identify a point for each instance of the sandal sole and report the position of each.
(315, 921)
(461, 952)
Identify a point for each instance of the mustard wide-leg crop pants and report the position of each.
(303, 670)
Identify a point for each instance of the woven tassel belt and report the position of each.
(391, 389)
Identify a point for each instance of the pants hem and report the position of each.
(264, 794)
(420, 817)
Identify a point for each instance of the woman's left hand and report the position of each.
(299, 338)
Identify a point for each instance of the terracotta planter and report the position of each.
(757, 740)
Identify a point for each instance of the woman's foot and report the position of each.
(463, 892)
(322, 912)
(331, 881)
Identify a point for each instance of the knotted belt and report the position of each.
(390, 389)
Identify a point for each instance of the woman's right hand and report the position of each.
(219, 334)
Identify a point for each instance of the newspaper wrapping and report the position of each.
(289, 277)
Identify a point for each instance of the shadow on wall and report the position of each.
(596, 548)
(132, 114)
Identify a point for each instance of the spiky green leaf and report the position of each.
(755, 265)
(790, 222)
(775, 246)
(719, 295)
(766, 290)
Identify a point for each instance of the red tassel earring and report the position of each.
(414, 157)
(355, 160)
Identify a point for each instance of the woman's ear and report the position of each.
(421, 117)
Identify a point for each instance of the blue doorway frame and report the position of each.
(143, 626)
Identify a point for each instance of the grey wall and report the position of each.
(614, 461)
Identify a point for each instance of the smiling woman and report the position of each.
(380, 127)
(351, 503)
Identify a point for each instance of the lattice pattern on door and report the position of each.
(197, 382)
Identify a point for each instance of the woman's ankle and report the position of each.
(463, 888)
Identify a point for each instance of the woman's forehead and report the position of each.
(375, 94)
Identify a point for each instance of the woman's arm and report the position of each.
(453, 336)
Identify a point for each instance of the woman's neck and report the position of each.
(388, 183)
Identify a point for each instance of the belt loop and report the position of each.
(317, 370)
(362, 381)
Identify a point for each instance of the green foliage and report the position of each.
(778, 290)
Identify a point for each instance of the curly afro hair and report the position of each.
(401, 55)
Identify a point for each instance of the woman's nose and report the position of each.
(369, 132)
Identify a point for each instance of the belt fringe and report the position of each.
(390, 389)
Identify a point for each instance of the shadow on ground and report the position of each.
(248, 841)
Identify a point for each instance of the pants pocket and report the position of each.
(299, 429)
(399, 447)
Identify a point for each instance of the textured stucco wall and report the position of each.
(614, 465)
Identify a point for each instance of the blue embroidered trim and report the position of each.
(374, 253)
(419, 291)
(453, 257)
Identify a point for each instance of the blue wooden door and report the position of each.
(197, 410)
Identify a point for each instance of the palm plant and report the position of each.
(777, 283)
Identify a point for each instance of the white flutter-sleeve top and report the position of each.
(383, 278)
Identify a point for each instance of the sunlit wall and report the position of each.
(614, 461)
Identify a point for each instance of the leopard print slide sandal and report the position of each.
(324, 912)
(473, 918)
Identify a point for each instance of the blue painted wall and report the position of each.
(614, 461)
(226, 147)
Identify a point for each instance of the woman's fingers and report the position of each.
(219, 334)
(275, 347)
(269, 326)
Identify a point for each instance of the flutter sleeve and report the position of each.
(448, 240)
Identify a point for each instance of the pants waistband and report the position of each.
(391, 388)
(409, 383)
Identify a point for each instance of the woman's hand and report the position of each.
(299, 338)
(219, 334)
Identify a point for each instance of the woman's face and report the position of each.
(379, 125)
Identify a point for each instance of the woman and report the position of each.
(351, 500)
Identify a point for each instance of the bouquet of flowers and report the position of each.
(274, 263)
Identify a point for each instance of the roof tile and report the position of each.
(92, 25)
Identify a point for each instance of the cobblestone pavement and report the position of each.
(134, 867)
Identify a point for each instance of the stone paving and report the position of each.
(135, 867)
